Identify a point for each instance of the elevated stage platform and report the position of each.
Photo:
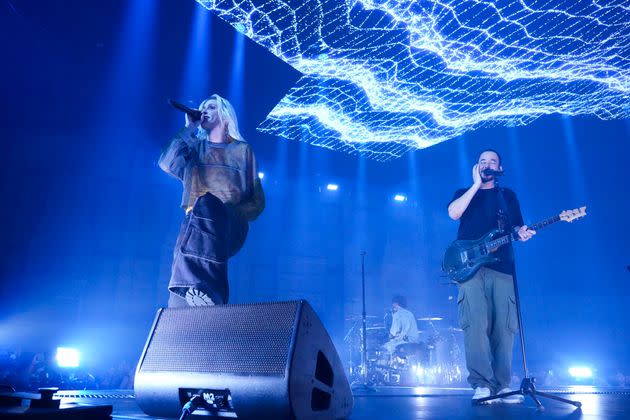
(407, 403)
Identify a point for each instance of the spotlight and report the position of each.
(580, 372)
(67, 357)
(261, 175)
(332, 187)
(400, 197)
(418, 370)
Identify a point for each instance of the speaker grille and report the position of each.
(232, 339)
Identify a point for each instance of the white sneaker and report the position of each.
(196, 297)
(482, 392)
(512, 399)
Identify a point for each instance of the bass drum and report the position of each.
(408, 360)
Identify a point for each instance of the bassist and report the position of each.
(486, 303)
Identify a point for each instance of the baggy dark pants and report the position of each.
(210, 234)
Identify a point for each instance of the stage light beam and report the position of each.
(67, 357)
(580, 372)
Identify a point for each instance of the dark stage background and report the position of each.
(89, 220)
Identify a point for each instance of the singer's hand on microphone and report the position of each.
(190, 123)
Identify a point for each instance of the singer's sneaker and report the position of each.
(482, 392)
(196, 297)
(512, 399)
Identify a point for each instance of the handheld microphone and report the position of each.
(195, 114)
(492, 172)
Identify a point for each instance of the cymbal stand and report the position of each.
(364, 368)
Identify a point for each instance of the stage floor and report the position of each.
(402, 403)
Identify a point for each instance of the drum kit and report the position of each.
(437, 359)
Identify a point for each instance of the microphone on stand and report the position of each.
(492, 172)
(195, 114)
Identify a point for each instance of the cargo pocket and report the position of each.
(512, 321)
(463, 310)
(203, 245)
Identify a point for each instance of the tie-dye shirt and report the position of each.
(226, 170)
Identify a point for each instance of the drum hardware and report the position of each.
(436, 360)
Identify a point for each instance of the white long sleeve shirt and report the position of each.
(404, 325)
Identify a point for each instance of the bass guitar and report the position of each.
(463, 258)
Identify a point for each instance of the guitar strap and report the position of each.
(503, 215)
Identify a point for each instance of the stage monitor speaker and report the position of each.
(255, 361)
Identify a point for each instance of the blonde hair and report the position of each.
(226, 113)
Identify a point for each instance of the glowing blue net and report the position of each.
(382, 77)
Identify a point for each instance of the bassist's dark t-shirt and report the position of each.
(482, 216)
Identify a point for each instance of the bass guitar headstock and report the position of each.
(571, 215)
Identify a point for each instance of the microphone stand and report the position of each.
(527, 384)
(364, 373)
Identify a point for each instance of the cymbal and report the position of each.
(358, 317)
(452, 329)
(430, 318)
(376, 327)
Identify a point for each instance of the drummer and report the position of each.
(404, 328)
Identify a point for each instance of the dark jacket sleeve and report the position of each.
(254, 204)
(178, 153)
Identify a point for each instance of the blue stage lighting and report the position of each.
(400, 197)
(67, 357)
(197, 69)
(383, 77)
(580, 372)
(261, 175)
(332, 187)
